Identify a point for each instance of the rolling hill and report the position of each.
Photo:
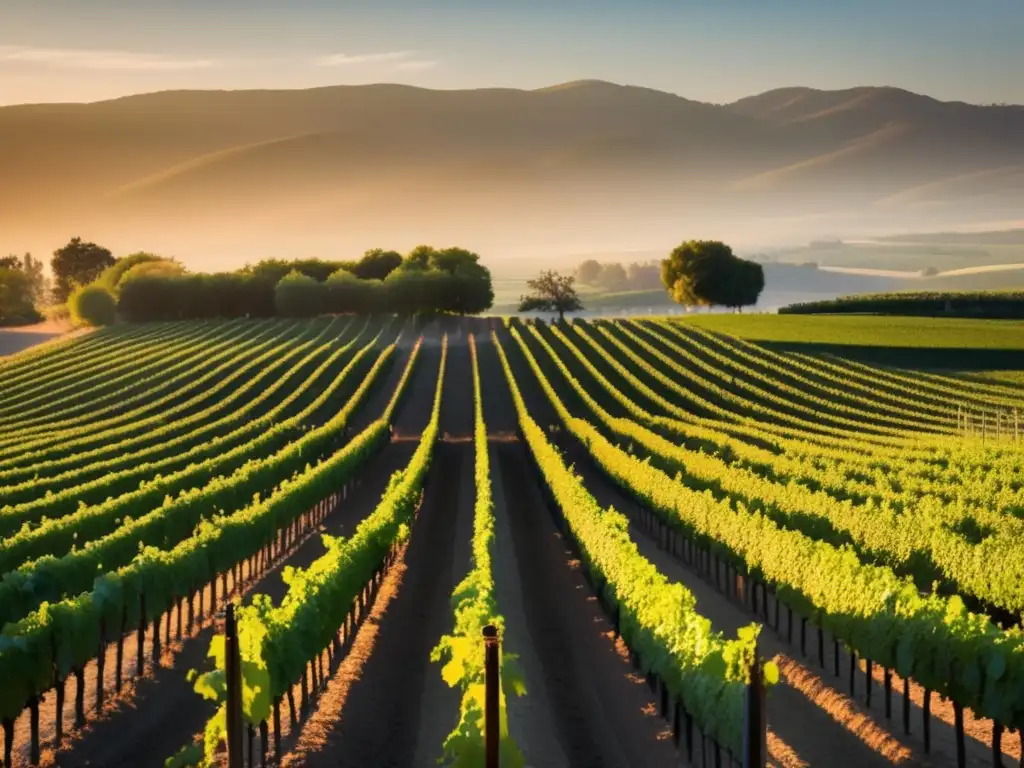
(589, 161)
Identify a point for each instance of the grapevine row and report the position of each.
(933, 639)
(657, 619)
(919, 542)
(112, 538)
(57, 494)
(475, 604)
(38, 651)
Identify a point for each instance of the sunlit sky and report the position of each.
(712, 50)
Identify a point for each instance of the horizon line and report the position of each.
(549, 88)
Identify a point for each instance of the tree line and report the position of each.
(144, 287)
(613, 276)
(99, 289)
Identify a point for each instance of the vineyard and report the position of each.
(693, 548)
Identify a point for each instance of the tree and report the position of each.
(16, 302)
(588, 272)
(467, 289)
(708, 273)
(93, 305)
(32, 268)
(552, 292)
(271, 271)
(299, 295)
(454, 259)
(643, 277)
(377, 264)
(348, 293)
(613, 276)
(418, 258)
(77, 263)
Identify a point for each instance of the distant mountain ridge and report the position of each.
(379, 160)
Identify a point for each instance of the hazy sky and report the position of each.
(712, 50)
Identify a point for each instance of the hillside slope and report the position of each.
(395, 161)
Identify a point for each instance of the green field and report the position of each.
(946, 343)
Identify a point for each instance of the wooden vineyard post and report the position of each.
(492, 731)
(233, 680)
(755, 732)
(140, 636)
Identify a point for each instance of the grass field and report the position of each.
(621, 498)
(955, 344)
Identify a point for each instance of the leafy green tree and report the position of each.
(93, 305)
(299, 295)
(348, 293)
(589, 272)
(708, 273)
(469, 288)
(377, 264)
(32, 268)
(454, 260)
(414, 291)
(418, 258)
(77, 263)
(17, 306)
(271, 271)
(552, 292)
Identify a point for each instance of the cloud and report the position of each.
(98, 59)
(344, 59)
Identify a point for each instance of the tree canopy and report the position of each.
(429, 280)
(299, 295)
(589, 271)
(613, 276)
(77, 263)
(707, 273)
(377, 264)
(552, 292)
(16, 304)
(112, 276)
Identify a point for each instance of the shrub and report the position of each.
(348, 293)
(298, 295)
(111, 276)
(93, 305)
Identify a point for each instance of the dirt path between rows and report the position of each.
(531, 719)
(601, 711)
(396, 709)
